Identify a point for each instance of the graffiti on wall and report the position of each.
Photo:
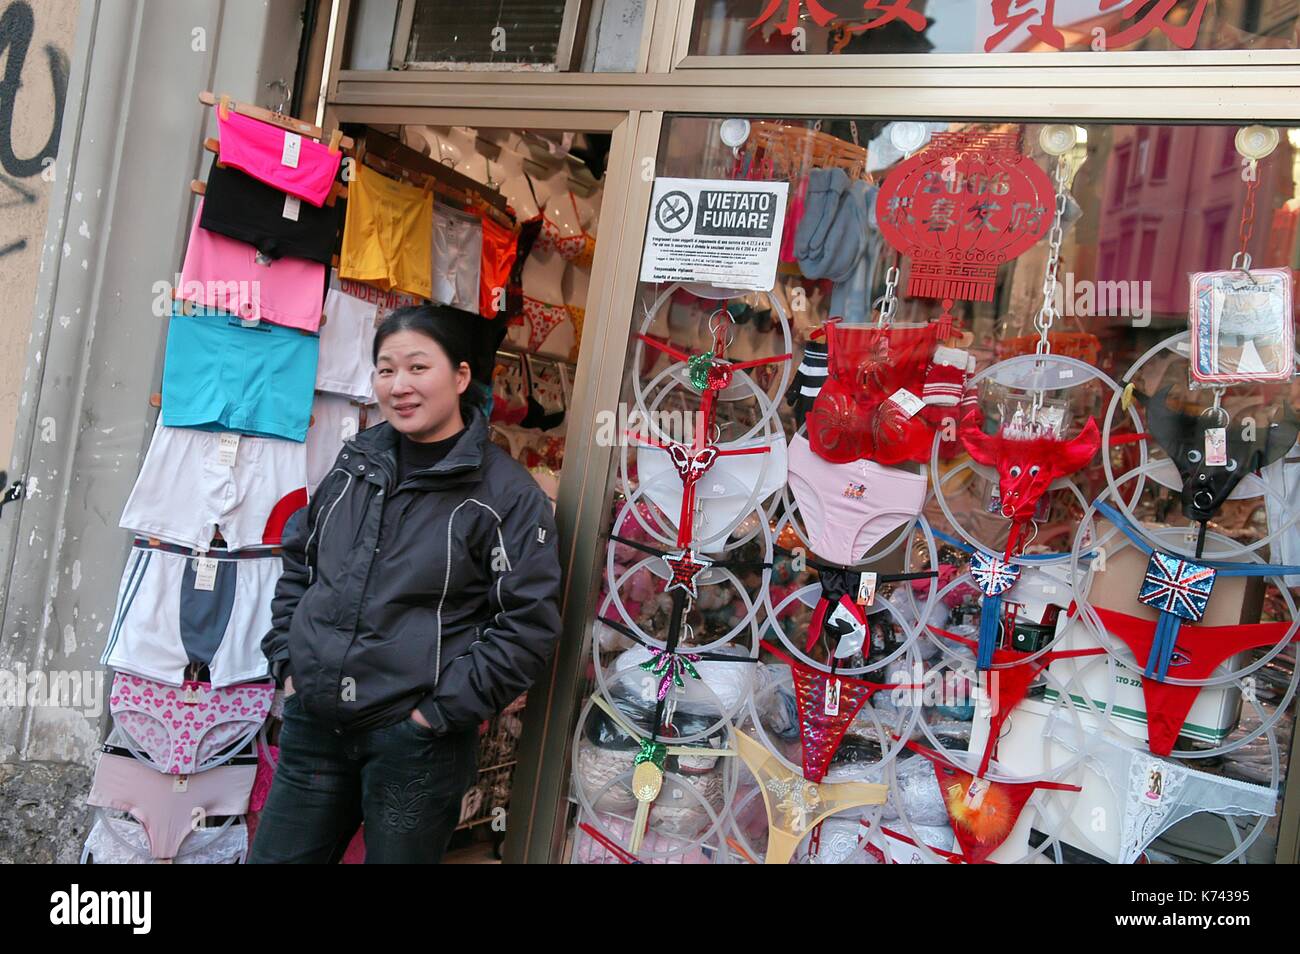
(17, 26)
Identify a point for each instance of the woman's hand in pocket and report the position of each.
(288, 686)
(419, 718)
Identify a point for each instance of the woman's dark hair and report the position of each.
(451, 328)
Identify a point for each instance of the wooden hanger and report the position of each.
(392, 150)
(334, 139)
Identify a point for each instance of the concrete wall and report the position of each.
(119, 211)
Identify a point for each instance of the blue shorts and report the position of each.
(221, 376)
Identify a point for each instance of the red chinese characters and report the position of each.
(1182, 34)
(1037, 14)
(962, 207)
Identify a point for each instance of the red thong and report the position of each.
(824, 607)
(852, 417)
(820, 733)
(879, 855)
(1199, 650)
(1009, 686)
(983, 827)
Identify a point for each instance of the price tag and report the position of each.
(867, 589)
(832, 704)
(1155, 791)
(975, 793)
(1216, 447)
(181, 783)
(908, 401)
(291, 206)
(227, 449)
(205, 573)
(292, 147)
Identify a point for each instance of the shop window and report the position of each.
(792, 27)
(731, 610)
(540, 35)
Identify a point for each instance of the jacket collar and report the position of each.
(378, 445)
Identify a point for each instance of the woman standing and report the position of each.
(419, 597)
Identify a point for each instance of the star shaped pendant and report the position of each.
(685, 568)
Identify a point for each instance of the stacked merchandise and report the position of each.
(226, 469)
(803, 651)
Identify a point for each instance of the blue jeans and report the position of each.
(403, 781)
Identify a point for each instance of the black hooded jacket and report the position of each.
(455, 612)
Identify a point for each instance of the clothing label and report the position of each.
(227, 449)
(292, 147)
(193, 695)
(181, 783)
(908, 401)
(1155, 791)
(1216, 447)
(291, 206)
(1065, 374)
(205, 574)
(720, 232)
(975, 794)
(867, 589)
(832, 704)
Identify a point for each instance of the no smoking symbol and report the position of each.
(673, 213)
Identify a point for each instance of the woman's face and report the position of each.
(418, 389)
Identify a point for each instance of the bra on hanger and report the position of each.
(577, 249)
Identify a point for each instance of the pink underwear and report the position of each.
(168, 805)
(256, 148)
(223, 273)
(180, 737)
(848, 508)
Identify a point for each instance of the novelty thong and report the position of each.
(1200, 650)
(795, 805)
(1180, 590)
(1156, 794)
(837, 612)
(982, 812)
(828, 704)
(692, 463)
(1009, 686)
(849, 508)
(669, 477)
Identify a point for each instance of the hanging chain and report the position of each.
(1048, 313)
(1247, 228)
(888, 302)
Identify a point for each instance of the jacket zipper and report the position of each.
(324, 522)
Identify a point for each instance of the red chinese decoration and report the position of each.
(1156, 17)
(960, 208)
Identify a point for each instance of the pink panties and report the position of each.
(168, 814)
(180, 737)
(848, 508)
(256, 148)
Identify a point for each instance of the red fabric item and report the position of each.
(981, 824)
(1198, 651)
(820, 733)
(284, 508)
(852, 418)
(942, 392)
(500, 246)
(1007, 687)
(1026, 466)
